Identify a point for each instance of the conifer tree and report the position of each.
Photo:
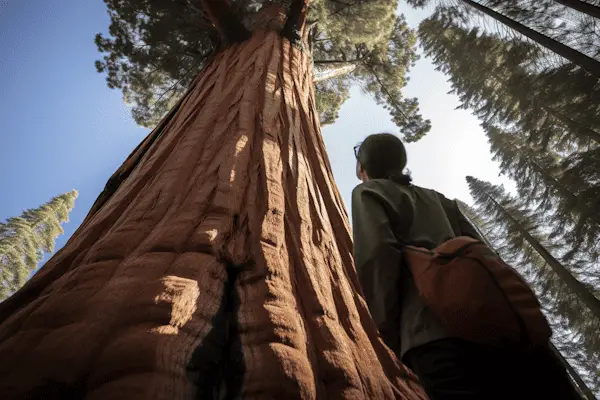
(545, 23)
(572, 322)
(495, 78)
(525, 236)
(542, 180)
(24, 239)
(525, 243)
(543, 127)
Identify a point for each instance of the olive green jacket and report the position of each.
(383, 214)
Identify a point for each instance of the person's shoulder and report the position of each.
(430, 191)
(385, 189)
(375, 185)
(446, 203)
(362, 188)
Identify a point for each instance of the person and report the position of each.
(387, 210)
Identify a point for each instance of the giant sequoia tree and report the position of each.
(217, 262)
(24, 239)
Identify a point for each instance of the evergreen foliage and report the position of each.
(544, 180)
(495, 79)
(542, 126)
(24, 239)
(562, 30)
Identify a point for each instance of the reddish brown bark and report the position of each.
(220, 256)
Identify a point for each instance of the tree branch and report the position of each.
(387, 93)
(337, 61)
(227, 24)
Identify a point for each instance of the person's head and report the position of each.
(381, 156)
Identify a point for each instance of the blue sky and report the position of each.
(63, 129)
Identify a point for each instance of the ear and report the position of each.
(362, 174)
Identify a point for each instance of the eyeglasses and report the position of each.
(356, 149)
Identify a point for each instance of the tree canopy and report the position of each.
(155, 48)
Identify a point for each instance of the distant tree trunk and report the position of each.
(322, 74)
(216, 264)
(583, 390)
(584, 294)
(582, 6)
(587, 63)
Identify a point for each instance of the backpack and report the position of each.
(476, 296)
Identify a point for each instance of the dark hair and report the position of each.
(383, 156)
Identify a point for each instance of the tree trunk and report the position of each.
(582, 389)
(582, 6)
(587, 63)
(322, 74)
(577, 287)
(219, 257)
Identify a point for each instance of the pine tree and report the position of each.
(24, 239)
(524, 229)
(572, 323)
(542, 180)
(217, 262)
(589, 64)
(544, 23)
(570, 22)
(494, 77)
(542, 126)
(524, 242)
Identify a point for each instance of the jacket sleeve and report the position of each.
(378, 257)
(466, 229)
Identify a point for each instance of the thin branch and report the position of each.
(356, 60)
(175, 84)
(387, 93)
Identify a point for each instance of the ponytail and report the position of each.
(400, 178)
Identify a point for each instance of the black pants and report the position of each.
(454, 369)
